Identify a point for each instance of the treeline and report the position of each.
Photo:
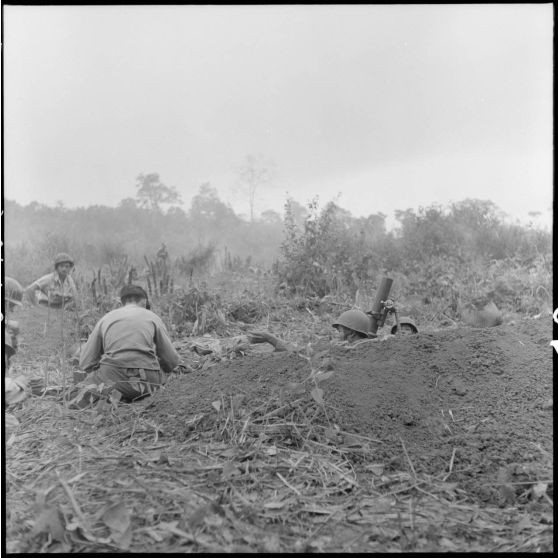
(97, 234)
(466, 250)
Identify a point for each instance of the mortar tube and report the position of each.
(381, 294)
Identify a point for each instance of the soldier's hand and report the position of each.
(183, 369)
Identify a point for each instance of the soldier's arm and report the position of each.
(93, 349)
(38, 285)
(30, 293)
(166, 353)
(266, 337)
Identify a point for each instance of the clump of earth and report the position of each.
(477, 401)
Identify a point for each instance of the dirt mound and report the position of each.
(478, 399)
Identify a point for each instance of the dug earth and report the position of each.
(474, 402)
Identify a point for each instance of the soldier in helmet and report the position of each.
(56, 289)
(129, 351)
(353, 326)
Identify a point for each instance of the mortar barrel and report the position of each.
(381, 294)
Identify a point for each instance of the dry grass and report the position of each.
(248, 476)
(273, 477)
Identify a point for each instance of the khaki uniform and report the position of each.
(54, 292)
(132, 350)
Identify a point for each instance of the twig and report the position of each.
(293, 488)
(450, 465)
(75, 505)
(408, 458)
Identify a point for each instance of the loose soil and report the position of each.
(483, 395)
(455, 431)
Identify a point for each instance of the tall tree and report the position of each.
(152, 192)
(253, 173)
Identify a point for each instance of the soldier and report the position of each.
(14, 388)
(129, 350)
(353, 326)
(13, 295)
(56, 289)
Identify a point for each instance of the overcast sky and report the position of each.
(392, 107)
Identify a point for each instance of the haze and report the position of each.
(389, 107)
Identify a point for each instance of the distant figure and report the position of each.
(56, 289)
(131, 348)
(162, 253)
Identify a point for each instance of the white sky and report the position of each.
(392, 106)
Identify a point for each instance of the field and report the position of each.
(436, 442)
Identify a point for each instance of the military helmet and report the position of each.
(134, 290)
(355, 320)
(13, 291)
(63, 258)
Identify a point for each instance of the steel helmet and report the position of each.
(63, 258)
(13, 291)
(134, 290)
(355, 320)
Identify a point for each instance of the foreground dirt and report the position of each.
(440, 441)
(476, 400)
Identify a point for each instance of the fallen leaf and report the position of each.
(171, 527)
(216, 405)
(117, 518)
(213, 520)
(447, 544)
(230, 452)
(272, 544)
(153, 534)
(539, 489)
(123, 540)
(49, 521)
(294, 387)
(271, 450)
(101, 407)
(350, 440)
(331, 434)
(376, 468)
(274, 505)
(508, 493)
(321, 376)
(10, 421)
(229, 470)
(115, 397)
(202, 515)
(227, 535)
(318, 395)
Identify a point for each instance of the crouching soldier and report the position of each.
(129, 350)
(56, 289)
